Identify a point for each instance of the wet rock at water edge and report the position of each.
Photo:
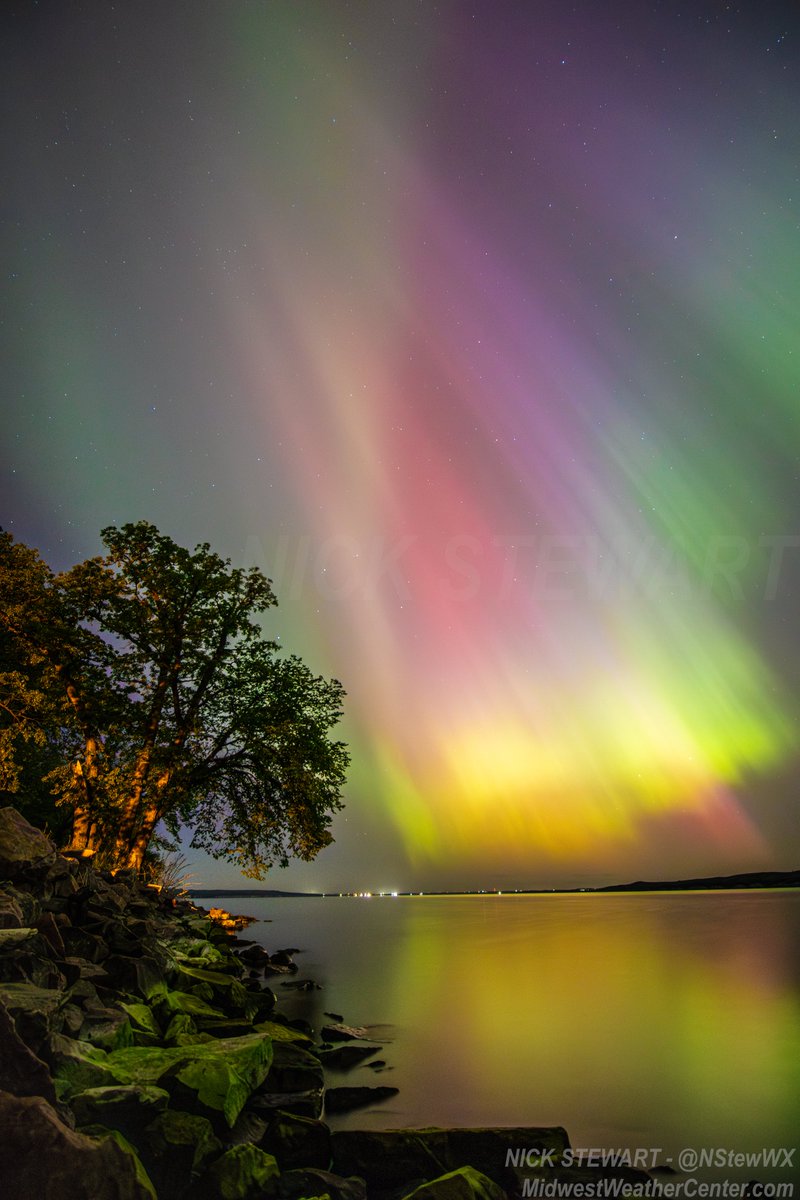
(347, 1056)
(297, 1141)
(344, 1099)
(343, 1033)
(293, 1069)
(390, 1158)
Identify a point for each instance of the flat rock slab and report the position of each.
(344, 1058)
(389, 1158)
(343, 1033)
(10, 938)
(344, 1099)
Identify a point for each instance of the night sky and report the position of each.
(476, 327)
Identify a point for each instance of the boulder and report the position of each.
(225, 988)
(463, 1184)
(19, 900)
(254, 956)
(176, 1147)
(106, 1027)
(35, 1011)
(181, 1031)
(215, 1078)
(21, 1072)
(23, 849)
(10, 911)
(183, 1002)
(141, 1017)
(283, 958)
(300, 1104)
(284, 1033)
(293, 1069)
(84, 943)
(307, 1181)
(249, 1127)
(27, 957)
(242, 1173)
(51, 932)
(297, 1141)
(77, 1066)
(126, 1107)
(143, 976)
(18, 937)
(40, 1156)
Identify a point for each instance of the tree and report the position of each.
(148, 670)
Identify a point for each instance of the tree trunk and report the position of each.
(84, 820)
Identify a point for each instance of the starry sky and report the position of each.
(474, 326)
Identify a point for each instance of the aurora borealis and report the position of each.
(475, 326)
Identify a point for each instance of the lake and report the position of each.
(643, 1020)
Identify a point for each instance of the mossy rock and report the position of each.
(465, 1183)
(77, 1066)
(109, 1029)
(297, 1141)
(180, 1026)
(191, 950)
(241, 1173)
(176, 1147)
(284, 1033)
(294, 1069)
(142, 1018)
(184, 1002)
(217, 1076)
(219, 980)
(126, 1107)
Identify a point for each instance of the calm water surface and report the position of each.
(657, 1019)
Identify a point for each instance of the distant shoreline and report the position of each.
(749, 881)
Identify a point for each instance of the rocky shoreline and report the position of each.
(143, 1055)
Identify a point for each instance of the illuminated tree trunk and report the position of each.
(85, 839)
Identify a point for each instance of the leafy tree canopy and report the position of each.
(141, 685)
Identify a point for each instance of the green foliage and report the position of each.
(141, 686)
